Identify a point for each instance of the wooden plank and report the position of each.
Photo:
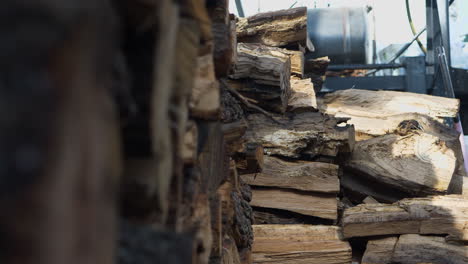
(277, 28)
(299, 244)
(299, 175)
(432, 215)
(323, 206)
(309, 134)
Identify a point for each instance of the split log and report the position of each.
(433, 215)
(418, 163)
(316, 69)
(205, 101)
(299, 244)
(380, 251)
(264, 65)
(380, 112)
(302, 96)
(267, 97)
(299, 175)
(304, 134)
(297, 61)
(278, 29)
(233, 136)
(221, 27)
(306, 203)
(414, 249)
(267, 216)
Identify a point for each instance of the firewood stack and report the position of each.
(182, 200)
(331, 175)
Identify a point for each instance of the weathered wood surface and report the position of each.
(380, 251)
(297, 61)
(414, 249)
(205, 100)
(418, 163)
(299, 175)
(268, 97)
(302, 96)
(433, 215)
(230, 253)
(264, 65)
(316, 69)
(221, 28)
(276, 29)
(380, 112)
(306, 203)
(299, 244)
(250, 159)
(309, 134)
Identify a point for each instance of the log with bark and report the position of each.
(299, 244)
(442, 215)
(303, 134)
(414, 249)
(298, 175)
(284, 28)
(306, 203)
(265, 66)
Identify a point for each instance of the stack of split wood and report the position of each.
(331, 175)
(182, 200)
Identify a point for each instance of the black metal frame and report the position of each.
(423, 73)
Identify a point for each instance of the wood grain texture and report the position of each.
(323, 206)
(299, 244)
(379, 112)
(264, 65)
(277, 29)
(380, 251)
(302, 96)
(299, 175)
(309, 134)
(414, 249)
(432, 215)
(418, 163)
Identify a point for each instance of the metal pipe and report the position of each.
(240, 9)
(365, 66)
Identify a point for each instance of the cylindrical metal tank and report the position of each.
(339, 33)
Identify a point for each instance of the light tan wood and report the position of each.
(379, 112)
(297, 61)
(266, 66)
(323, 206)
(299, 244)
(418, 163)
(309, 134)
(380, 251)
(230, 253)
(414, 249)
(370, 200)
(190, 144)
(302, 96)
(433, 215)
(278, 28)
(205, 100)
(299, 175)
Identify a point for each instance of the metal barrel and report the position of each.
(339, 33)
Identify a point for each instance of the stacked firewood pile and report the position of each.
(364, 176)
